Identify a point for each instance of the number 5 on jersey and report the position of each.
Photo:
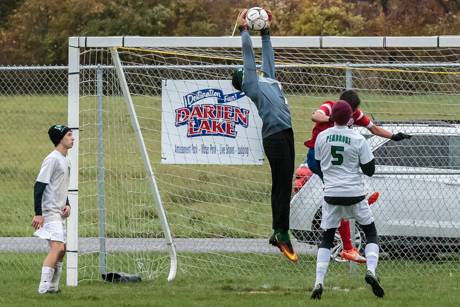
(336, 152)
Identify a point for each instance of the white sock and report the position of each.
(56, 276)
(322, 262)
(372, 256)
(45, 280)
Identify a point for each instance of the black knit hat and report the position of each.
(237, 78)
(57, 132)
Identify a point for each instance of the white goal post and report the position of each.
(311, 75)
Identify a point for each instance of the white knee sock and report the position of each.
(372, 256)
(45, 280)
(56, 276)
(322, 262)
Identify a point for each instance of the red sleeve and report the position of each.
(362, 120)
(326, 107)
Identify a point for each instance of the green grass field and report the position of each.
(226, 289)
(199, 203)
(202, 191)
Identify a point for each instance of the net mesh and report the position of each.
(221, 216)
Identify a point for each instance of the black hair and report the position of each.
(352, 98)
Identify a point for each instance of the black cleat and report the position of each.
(372, 280)
(317, 292)
(285, 247)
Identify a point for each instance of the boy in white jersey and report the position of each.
(52, 206)
(340, 152)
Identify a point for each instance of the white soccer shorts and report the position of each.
(52, 231)
(333, 214)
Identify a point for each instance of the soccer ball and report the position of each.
(257, 18)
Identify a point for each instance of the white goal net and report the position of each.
(214, 184)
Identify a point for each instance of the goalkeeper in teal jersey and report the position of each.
(278, 140)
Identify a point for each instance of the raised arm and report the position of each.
(250, 74)
(268, 56)
(250, 79)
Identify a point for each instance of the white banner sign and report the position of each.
(208, 122)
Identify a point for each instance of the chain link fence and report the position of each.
(417, 215)
(31, 99)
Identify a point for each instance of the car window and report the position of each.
(421, 151)
(454, 152)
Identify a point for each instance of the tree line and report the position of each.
(37, 31)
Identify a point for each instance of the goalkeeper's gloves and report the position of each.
(242, 24)
(266, 31)
(400, 136)
(270, 18)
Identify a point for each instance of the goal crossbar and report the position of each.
(441, 41)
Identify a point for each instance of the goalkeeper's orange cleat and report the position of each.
(373, 198)
(285, 247)
(352, 255)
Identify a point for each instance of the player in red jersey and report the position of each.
(322, 119)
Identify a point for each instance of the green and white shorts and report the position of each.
(333, 214)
